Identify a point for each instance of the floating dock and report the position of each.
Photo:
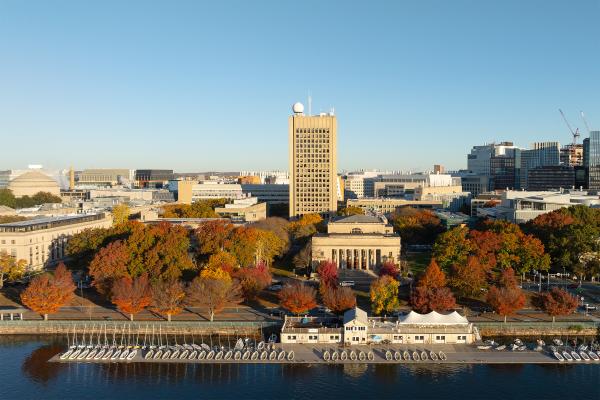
(377, 354)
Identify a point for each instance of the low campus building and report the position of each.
(42, 241)
(357, 328)
(244, 210)
(362, 242)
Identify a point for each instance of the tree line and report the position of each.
(8, 199)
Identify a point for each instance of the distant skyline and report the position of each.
(199, 86)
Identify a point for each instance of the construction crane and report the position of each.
(575, 132)
(585, 122)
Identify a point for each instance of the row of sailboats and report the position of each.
(97, 346)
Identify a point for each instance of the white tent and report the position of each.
(433, 318)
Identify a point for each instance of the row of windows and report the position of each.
(311, 130)
(356, 328)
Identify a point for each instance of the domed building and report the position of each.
(32, 182)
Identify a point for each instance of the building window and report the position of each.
(356, 231)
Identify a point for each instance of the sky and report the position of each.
(208, 85)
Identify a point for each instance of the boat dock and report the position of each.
(378, 354)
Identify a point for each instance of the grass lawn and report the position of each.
(417, 262)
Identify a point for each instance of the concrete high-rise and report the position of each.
(313, 163)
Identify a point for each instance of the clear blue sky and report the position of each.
(199, 85)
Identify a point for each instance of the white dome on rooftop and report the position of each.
(298, 108)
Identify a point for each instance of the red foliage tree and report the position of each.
(431, 293)
(339, 299)
(559, 302)
(47, 293)
(213, 236)
(297, 298)
(389, 268)
(254, 279)
(506, 298)
(132, 295)
(328, 273)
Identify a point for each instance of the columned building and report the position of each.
(361, 242)
(313, 170)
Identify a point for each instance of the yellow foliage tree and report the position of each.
(10, 268)
(120, 214)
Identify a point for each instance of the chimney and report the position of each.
(71, 179)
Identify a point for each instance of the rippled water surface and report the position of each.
(26, 374)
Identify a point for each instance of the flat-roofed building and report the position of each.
(42, 241)
(389, 205)
(313, 163)
(244, 210)
(357, 328)
(268, 193)
(153, 177)
(105, 177)
(361, 242)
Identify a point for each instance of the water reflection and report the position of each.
(36, 365)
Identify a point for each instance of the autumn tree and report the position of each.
(389, 268)
(350, 210)
(452, 247)
(384, 295)
(507, 297)
(132, 295)
(306, 226)
(213, 293)
(303, 258)
(468, 279)
(297, 298)
(558, 302)
(109, 265)
(253, 279)
(167, 297)
(431, 293)
(10, 268)
(416, 226)
(279, 226)
(328, 274)
(339, 299)
(222, 259)
(213, 236)
(120, 214)
(46, 293)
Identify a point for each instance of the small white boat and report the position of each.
(246, 355)
(433, 356)
(389, 355)
(66, 354)
(108, 354)
(370, 356)
(100, 354)
(584, 355)
(334, 357)
(74, 354)
(326, 355)
(132, 354)
(239, 345)
(576, 356)
(158, 354)
(291, 355)
(593, 355)
(175, 354)
(91, 354)
(211, 355)
(406, 355)
(518, 342)
(501, 347)
(193, 355)
(442, 356)
(166, 354)
(541, 343)
(557, 342)
(415, 356)
(567, 356)
(184, 354)
(522, 348)
(261, 346)
(237, 355)
(124, 354)
(83, 354)
(281, 355)
(558, 356)
(116, 354)
(484, 347)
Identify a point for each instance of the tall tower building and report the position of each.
(313, 163)
(592, 158)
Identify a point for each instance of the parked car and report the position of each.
(275, 288)
(347, 283)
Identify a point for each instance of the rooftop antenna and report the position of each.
(575, 132)
(309, 104)
(585, 122)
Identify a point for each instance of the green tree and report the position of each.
(7, 198)
(10, 268)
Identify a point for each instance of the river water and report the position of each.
(26, 374)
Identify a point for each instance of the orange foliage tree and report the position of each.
(46, 293)
(213, 292)
(431, 293)
(109, 265)
(507, 297)
(297, 298)
(339, 299)
(132, 295)
(558, 302)
(468, 279)
(167, 298)
(213, 236)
